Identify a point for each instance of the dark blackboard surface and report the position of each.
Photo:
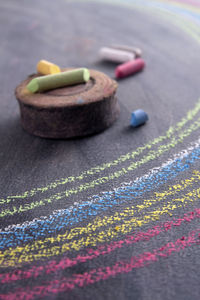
(70, 34)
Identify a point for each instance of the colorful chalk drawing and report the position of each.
(55, 266)
(151, 155)
(19, 234)
(36, 243)
(92, 237)
(129, 156)
(106, 272)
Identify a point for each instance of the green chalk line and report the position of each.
(153, 154)
(95, 170)
(177, 20)
(122, 158)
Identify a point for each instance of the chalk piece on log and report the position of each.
(71, 111)
(50, 82)
(45, 67)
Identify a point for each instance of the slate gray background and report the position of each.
(70, 34)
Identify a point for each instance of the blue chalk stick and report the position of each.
(138, 117)
(80, 101)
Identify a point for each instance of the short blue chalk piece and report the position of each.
(80, 101)
(138, 117)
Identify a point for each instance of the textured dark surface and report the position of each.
(70, 34)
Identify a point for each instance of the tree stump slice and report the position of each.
(71, 111)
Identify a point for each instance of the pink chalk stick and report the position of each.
(129, 68)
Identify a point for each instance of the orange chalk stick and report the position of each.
(45, 67)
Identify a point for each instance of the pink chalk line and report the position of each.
(55, 266)
(96, 275)
(189, 2)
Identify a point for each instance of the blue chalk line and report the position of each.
(67, 217)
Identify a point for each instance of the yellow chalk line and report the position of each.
(181, 22)
(127, 212)
(18, 255)
(95, 170)
(178, 20)
(153, 154)
(11, 196)
(189, 27)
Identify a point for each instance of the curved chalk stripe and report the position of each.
(104, 273)
(55, 266)
(19, 234)
(53, 246)
(151, 155)
(186, 2)
(168, 14)
(29, 195)
(95, 170)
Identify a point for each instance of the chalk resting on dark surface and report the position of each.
(71, 111)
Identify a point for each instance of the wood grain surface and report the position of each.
(76, 222)
(69, 112)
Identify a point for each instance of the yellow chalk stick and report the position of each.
(45, 67)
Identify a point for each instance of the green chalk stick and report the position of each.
(54, 81)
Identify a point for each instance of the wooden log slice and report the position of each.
(72, 111)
